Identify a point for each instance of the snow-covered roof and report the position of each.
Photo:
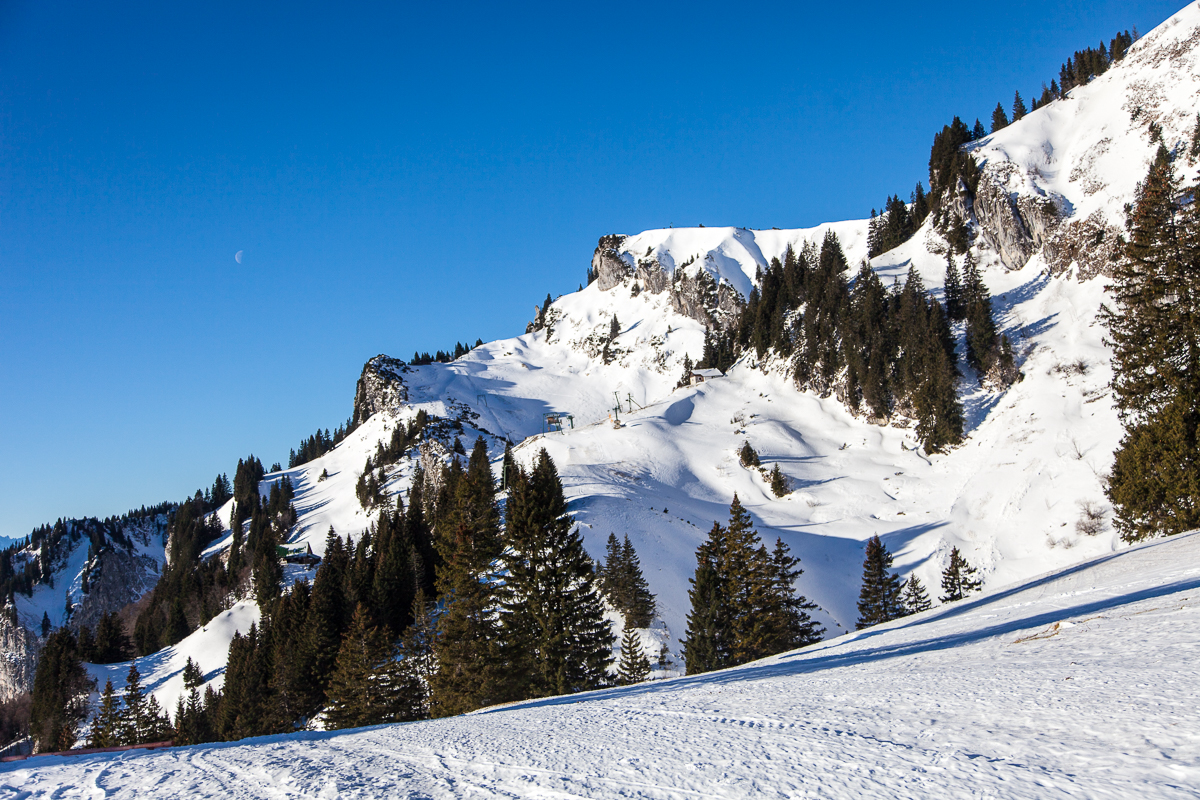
(708, 373)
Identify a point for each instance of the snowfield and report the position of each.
(1081, 683)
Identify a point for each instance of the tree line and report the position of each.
(424, 359)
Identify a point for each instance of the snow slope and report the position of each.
(1081, 683)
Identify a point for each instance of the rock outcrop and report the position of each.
(1092, 244)
(1014, 219)
(381, 387)
(697, 295)
(608, 268)
(18, 655)
(121, 572)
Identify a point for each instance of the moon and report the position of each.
(238, 256)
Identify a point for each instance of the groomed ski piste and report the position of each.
(1080, 683)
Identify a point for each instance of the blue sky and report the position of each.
(402, 177)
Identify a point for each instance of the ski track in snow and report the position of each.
(1078, 684)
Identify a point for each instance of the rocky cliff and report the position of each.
(381, 387)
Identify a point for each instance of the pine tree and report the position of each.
(981, 328)
(779, 482)
(958, 578)
(978, 132)
(792, 625)
(879, 598)
(914, 598)
(418, 659)
(686, 378)
(614, 329)
(107, 724)
(550, 611)
(706, 646)
(640, 604)
(60, 691)
(136, 720)
(470, 668)
(999, 118)
(158, 722)
(634, 666)
(749, 585)
(1155, 334)
(610, 573)
(1018, 107)
(367, 686)
(748, 456)
(954, 291)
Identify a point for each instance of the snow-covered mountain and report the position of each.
(638, 456)
(1080, 683)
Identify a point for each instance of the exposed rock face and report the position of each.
(380, 387)
(1091, 243)
(18, 656)
(120, 575)
(125, 563)
(697, 295)
(1015, 223)
(607, 265)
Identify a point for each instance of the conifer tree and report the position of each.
(779, 482)
(394, 583)
(470, 671)
(879, 598)
(327, 612)
(295, 693)
(640, 604)
(748, 572)
(981, 328)
(107, 724)
(706, 646)
(1194, 150)
(368, 687)
(611, 570)
(1018, 107)
(790, 620)
(1155, 336)
(634, 667)
(614, 329)
(60, 690)
(978, 132)
(554, 630)
(914, 598)
(999, 118)
(418, 659)
(958, 578)
(136, 721)
(953, 291)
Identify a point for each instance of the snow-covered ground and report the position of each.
(1081, 683)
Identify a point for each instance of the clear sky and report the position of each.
(403, 176)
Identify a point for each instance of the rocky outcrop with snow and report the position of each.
(1057, 181)
(380, 388)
